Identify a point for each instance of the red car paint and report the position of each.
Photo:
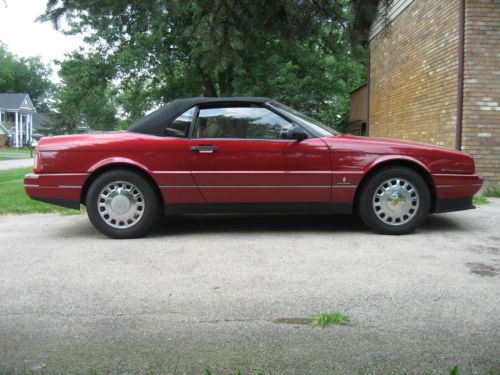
(328, 169)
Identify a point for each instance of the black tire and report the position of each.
(375, 210)
(144, 212)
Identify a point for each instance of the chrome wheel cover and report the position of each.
(395, 201)
(120, 204)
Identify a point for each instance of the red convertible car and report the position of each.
(206, 155)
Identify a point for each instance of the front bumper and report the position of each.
(62, 189)
(454, 192)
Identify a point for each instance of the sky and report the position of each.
(25, 37)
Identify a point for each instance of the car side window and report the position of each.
(180, 126)
(241, 122)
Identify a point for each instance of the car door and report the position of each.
(241, 154)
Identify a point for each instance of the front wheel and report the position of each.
(122, 204)
(395, 200)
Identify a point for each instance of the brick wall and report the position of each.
(413, 74)
(358, 106)
(481, 111)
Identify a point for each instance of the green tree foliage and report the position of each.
(299, 52)
(25, 75)
(84, 97)
(306, 78)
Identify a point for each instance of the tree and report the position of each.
(84, 96)
(306, 78)
(29, 75)
(163, 49)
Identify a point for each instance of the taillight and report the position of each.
(36, 162)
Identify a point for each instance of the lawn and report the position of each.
(13, 157)
(13, 199)
(14, 153)
(3, 157)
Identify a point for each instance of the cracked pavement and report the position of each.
(203, 292)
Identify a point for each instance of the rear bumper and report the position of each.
(62, 189)
(454, 192)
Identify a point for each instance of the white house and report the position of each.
(16, 118)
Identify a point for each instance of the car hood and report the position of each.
(438, 158)
(387, 145)
(403, 142)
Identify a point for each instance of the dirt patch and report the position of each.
(482, 249)
(482, 269)
(292, 321)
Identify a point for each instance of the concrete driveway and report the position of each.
(204, 292)
(15, 163)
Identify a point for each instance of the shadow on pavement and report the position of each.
(297, 224)
(256, 223)
(440, 223)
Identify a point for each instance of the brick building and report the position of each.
(358, 111)
(435, 77)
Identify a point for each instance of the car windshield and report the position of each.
(321, 128)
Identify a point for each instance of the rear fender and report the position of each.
(117, 160)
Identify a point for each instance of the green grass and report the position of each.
(492, 191)
(17, 157)
(15, 151)
(326, 318)
(13, 199)
(480, 200)
(2, 157)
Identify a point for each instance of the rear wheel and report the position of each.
(122, 204)
(395, 200)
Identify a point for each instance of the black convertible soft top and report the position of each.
(156, 122)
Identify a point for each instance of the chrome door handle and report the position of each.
(204, 149)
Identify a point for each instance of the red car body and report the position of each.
(318, 170)
(327, 170)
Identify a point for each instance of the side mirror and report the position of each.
(297, 133)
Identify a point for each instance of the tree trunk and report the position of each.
(208, 84)
(209, 88)
(225, 79)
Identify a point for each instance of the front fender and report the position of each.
(389, 158)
